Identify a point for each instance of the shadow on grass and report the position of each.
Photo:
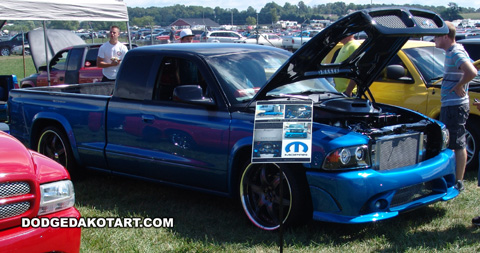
(219, 220)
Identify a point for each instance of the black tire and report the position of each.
(53, 143)
(5, 51)
(473, 144)
(259, 190)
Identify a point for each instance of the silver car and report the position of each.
(220, 36)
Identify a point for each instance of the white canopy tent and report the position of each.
(71, 10)
(63, 10)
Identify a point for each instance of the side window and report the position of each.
(59, 61)
(91, 58)
(75, 59)
(176, 72)
(134, 77)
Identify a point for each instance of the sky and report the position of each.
(259, 4)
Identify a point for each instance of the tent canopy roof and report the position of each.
(66, 10)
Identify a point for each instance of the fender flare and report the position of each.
(38, 122)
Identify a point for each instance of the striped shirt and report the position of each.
(454, 58)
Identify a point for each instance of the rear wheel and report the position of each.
(261, 198)
(53, 143)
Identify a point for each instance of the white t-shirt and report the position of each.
(107, 51)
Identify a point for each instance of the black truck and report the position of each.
(7, 45)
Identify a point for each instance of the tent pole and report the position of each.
(129, 36)
(45, 37)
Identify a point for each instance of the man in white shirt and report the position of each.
(110, 55)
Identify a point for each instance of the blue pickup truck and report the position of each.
(184, 115)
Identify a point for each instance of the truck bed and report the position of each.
(99, 88)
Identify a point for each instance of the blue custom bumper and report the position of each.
(371, 195)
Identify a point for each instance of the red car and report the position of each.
(35, 187)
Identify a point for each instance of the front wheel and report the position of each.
(54, 144)
(262, 200)
(5, 51)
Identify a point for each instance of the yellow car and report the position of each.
(412, 80)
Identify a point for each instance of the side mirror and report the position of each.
(42, 68)
(397, 72)
(192, 94)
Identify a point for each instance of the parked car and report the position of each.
(472, 46)
(18, 50)
(184, 115)
(7, 45)
(262, 39)
(85, 35)
(35, 187)
(412, 80)
(220, 36)
(76, 64)
(163, 37)
(474, 33)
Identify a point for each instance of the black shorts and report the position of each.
(455, 117)
(106, 79)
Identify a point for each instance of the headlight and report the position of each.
(56, 196)
(445, 137)
(348, 158)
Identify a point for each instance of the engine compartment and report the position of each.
(378, 120)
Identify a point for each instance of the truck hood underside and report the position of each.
(387, 31)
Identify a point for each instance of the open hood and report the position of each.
(387, 29)
(56, 41)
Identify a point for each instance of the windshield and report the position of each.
(242, 75)
(429, 62)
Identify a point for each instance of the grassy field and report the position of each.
(205, 223)
(13, 65)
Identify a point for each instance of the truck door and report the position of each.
(168, 140)
(400, 84)
(58, 66)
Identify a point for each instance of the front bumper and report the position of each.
(370, 195)
(40, 239)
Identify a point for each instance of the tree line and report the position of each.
(269, 14)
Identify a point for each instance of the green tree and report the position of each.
(251, 21)
(274, 15)
(452, 12)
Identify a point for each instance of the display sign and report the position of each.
(282, 132)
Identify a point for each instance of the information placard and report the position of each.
(282, 132)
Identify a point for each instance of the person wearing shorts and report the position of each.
(458, 72)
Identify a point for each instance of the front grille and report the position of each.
(7, 211)
(395, 151)
(411, 193)
(14, 189)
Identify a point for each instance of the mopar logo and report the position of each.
(296, 147)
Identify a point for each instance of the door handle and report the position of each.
(148, 119)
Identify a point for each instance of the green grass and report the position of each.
(14, 65)
(205, 223)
